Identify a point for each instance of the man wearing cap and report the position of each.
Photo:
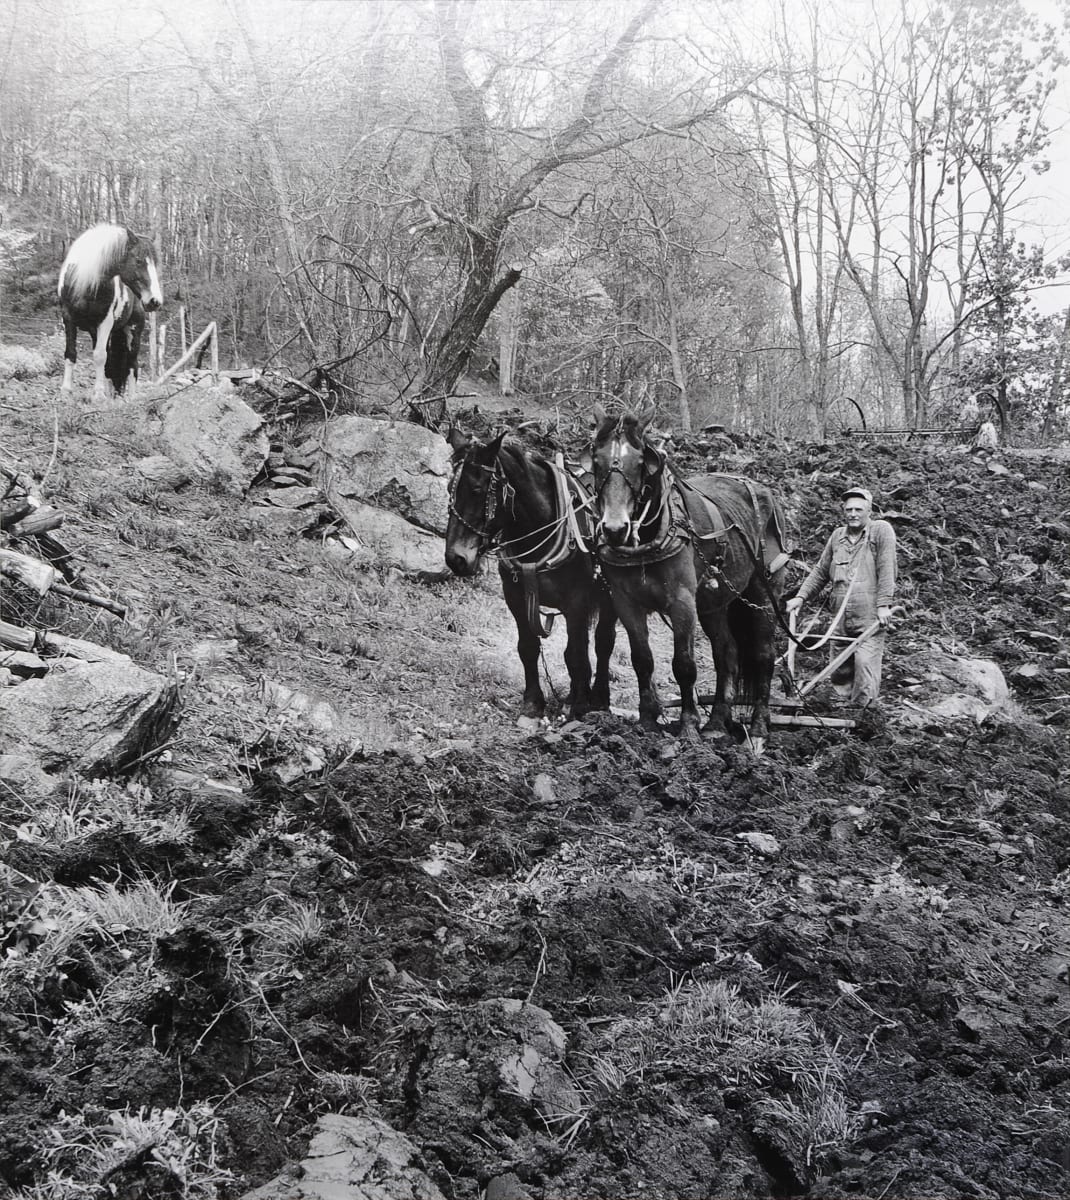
(859, 561)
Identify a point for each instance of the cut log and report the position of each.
(56, 644)
(12, 513)
(40, 521)
(30, 572)
(59, 556)
(17, 638)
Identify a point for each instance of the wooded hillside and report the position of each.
(797, 221)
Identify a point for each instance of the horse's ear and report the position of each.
(599, 414)
(496, 443)
(643, 416)
(457, 439)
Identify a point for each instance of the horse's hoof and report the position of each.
(529, 724)
(757, 746)
(715, 733)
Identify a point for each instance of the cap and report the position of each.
(861, 492)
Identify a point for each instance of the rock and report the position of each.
(317, 714)
(293, 521)
(761, 843)
(388, 540)
(213, 435)
(353, 1158)
(293, 497)
(21, 778)
(542, 787)
(88, 717)
(397, 466)
(534, 1068)
(506, 1187)
(954, 688)
(158, 468)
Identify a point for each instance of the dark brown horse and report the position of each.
(706, 550)
(537, 517)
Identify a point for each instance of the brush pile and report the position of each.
(36, 567)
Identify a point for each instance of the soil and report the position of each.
(837, 970)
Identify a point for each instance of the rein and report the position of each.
(560, 542)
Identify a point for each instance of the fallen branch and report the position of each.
(70, 593)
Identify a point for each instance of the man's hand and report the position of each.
(793, 605)
(884, 615)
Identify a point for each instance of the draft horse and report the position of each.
(705, 550)
(108, 281)
(537, 517)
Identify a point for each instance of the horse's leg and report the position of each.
(70, 353)
(528, 645)
(100, 354)
(577, 655)
(133, 339)
(683, 616)
(717, 626)
(634, 621)
(760, 663)
(605, 637)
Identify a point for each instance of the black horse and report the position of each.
(107, 283)
(708, 549)
(537, 516)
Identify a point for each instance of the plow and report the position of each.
(793, 710)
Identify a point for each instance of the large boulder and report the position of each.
(353, 1158)
(213, 435)
(88, 717)
(393, 465)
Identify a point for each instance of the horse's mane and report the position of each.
(93, 257)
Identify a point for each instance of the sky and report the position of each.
(1044, 218)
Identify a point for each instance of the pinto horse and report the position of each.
(107, 283)
(706, 550)
(537, 517)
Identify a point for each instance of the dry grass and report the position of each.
(176, 1147)
(707, 1032)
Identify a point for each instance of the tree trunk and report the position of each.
(1055, 395)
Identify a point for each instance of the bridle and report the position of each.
(636, 493)
(498, 491)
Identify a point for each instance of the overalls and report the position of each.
(870, 561)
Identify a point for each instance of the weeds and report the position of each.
(176, 1149)
(707, 1031)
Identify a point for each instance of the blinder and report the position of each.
(495, 491)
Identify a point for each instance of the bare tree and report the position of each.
(497, 191)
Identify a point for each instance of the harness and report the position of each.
(564, 538)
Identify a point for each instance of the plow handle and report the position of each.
(844, 655)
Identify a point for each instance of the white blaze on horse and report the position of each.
(707, 550)
(107, 283)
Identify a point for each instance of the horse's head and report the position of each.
(137, 269)
(627, 474)
(475, 501)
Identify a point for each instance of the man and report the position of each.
(859, 561)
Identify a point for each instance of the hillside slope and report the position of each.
(838, 970)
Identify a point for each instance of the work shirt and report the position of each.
(869, 560)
